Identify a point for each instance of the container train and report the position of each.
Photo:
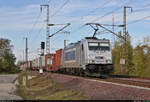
(90, 56)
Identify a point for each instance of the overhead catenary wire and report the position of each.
(113, 11)
(49, 1)
(87, 14)
(100, 7)
(60, 8)
(135, 21)
(34, 24)
(39, 31)
(37, 35)
(144, 7)
(138, 10)
(116, 9)
(91, 12)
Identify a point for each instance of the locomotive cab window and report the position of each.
(98, 46)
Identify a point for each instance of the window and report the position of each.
(93, 44)
(70, 55)
(99, 46)
(104, 44)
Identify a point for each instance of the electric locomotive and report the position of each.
(90, 56)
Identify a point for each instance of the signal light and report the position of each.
(42, 45)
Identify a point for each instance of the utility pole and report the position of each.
(26, 52)
(47, 29)
(23, 56)
(125, 35)
(64, 43)
(124, 21)
(25, 78)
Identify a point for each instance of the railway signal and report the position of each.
(42, 45)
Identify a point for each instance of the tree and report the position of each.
(145, 45)
(128, 55)
(116, 57)
(7, 58)
(139, 60)
(123, 50)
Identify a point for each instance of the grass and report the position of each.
(44, 88)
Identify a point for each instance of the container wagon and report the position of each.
(50, 62)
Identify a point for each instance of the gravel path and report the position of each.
(8, 87)
(101, 90)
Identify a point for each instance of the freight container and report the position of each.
(36, 64)
(29, 64)
(58, 57)
(50, 62)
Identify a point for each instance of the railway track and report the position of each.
(119, 88)
(127, 80)
(131, 78)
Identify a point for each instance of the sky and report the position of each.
(23, 18)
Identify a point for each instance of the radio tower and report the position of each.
(47, 29)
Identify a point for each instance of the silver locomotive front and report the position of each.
(98, 56)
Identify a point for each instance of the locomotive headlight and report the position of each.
(90, 56)
(91, 61)
(108, 61)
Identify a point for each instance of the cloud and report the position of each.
(19, 19)
(85, 6)
(112, 3)
(22, 19)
